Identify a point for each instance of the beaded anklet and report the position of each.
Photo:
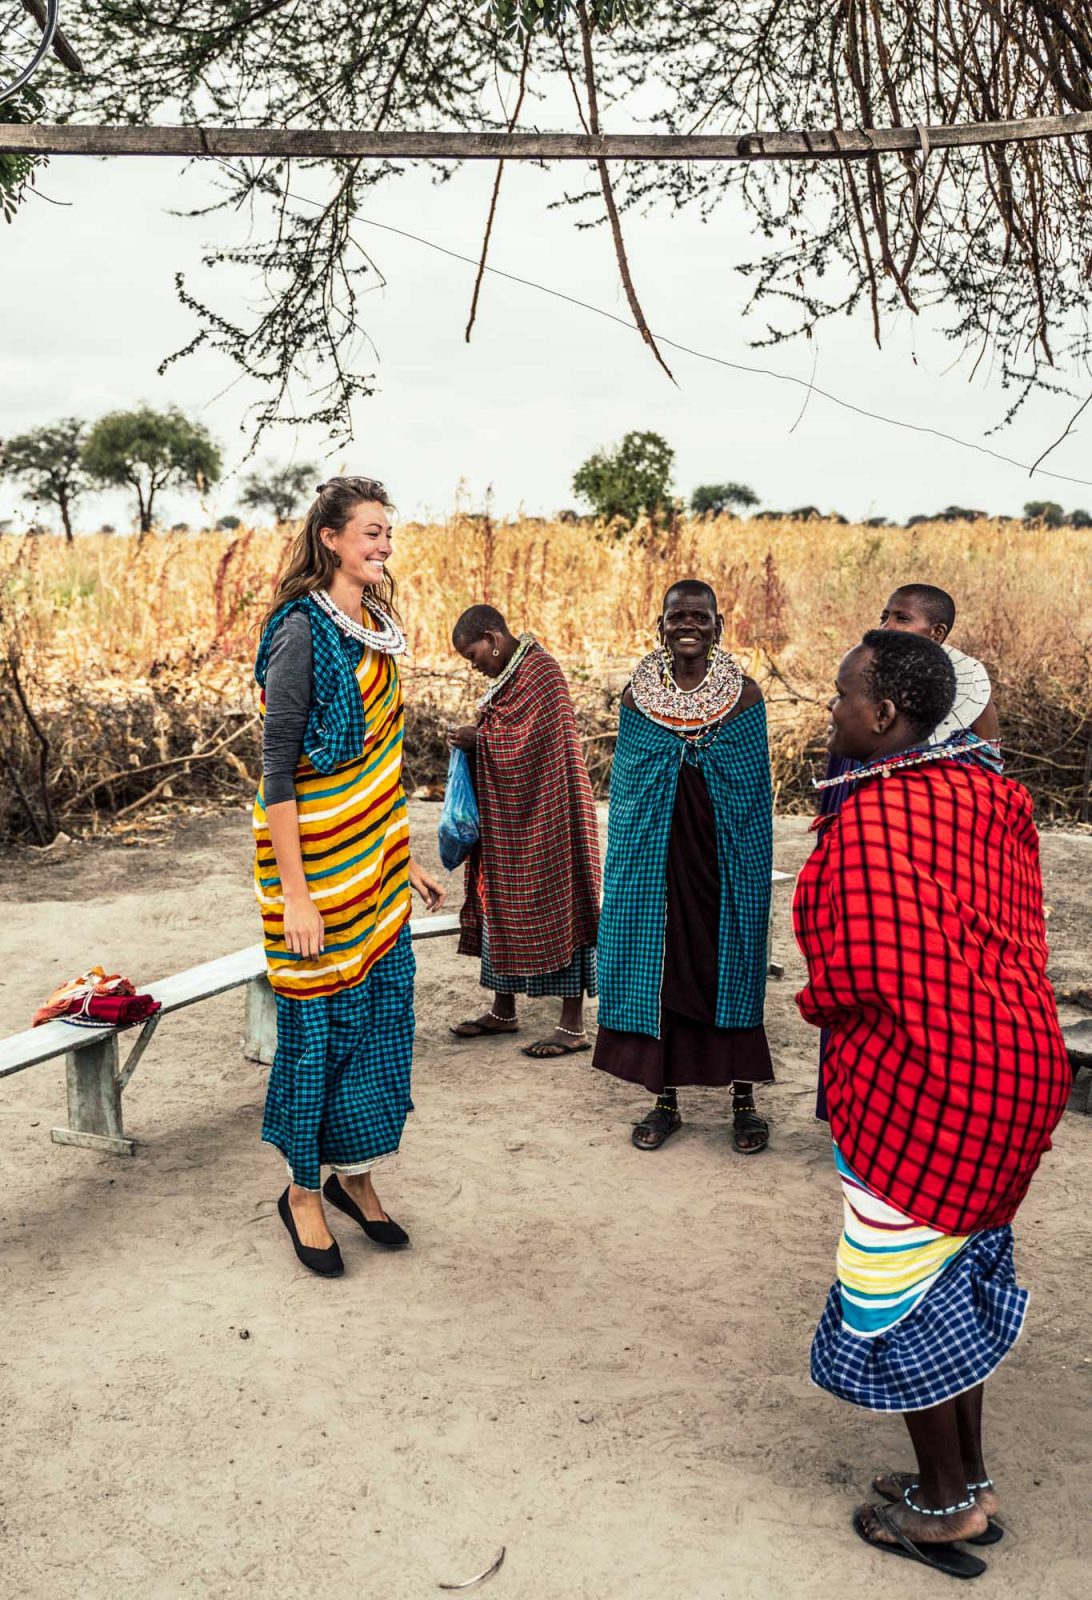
(944, 1511)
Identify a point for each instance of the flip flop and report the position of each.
(473, 1029)
(992, 1535)
(551, 1050)
(942, 1557)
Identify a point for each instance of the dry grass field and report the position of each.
(127, 664)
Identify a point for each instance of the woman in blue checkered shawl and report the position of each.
(686, 891)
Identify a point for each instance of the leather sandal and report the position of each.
(746, 1120)
(942, 1557)
(651, 1131)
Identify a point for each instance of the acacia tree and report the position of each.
(998, 239)
(710, 499)
(279, 488)
(48, 460)
(147, 450)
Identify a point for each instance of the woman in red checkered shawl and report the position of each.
(920, 914)
(531, 912)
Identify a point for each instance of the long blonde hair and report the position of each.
(311, 563)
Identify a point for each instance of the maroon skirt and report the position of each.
(691, 1049)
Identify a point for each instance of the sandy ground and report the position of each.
(593, 1356)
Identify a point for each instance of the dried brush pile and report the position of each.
(125, 666)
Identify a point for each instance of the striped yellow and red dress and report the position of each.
(338, 1089)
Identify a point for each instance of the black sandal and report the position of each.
(746, 1120)
(942, 1557)
(651, 1131)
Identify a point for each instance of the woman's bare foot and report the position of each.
(892, 1484)
(309, 1217)
(922, 1529)
(361, 1191)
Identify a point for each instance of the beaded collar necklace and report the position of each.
(526, 640)
(915, 757)
(686, 711)
(388, 639)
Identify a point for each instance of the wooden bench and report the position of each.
(96, 1077)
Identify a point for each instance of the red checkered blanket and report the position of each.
(535, 875)
(920, 914)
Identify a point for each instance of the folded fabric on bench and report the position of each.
(97, 1000)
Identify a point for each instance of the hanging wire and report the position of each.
(49, 29)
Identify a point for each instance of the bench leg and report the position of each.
(94, 1100)
(260, 1038)
(774, 969)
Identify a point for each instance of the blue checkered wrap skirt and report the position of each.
(339, 1086)
(735, 763)
(578, 978)
(954, 1338)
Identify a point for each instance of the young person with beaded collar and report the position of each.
(531, 912)
(920, 916)
(683, 931)
(333, 870)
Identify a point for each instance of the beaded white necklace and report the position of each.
(526, 640)
(686, 710)
(907, 758)
(388, 638)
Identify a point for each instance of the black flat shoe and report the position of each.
(388, 1233)
(327, 1263)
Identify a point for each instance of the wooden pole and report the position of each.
(72, 139)
(61, 47)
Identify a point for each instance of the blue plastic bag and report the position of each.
(458, 830)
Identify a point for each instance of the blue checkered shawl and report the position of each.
(735, 763)
(335, 726)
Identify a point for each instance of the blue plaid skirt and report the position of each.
(339, 1086)
(578, 978)
(954, 1338)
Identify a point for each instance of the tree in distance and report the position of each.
(631, 479)
(714, 499)
(148, 450)
(279, 488)
(229, 523)
(1047, 512)
(48, 461)
(949, 514)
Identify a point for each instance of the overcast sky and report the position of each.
(89, 310)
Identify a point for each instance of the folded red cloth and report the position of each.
(113, 1010)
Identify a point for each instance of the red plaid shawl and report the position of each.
(920, 914)
(535, 875)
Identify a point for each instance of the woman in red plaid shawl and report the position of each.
(532, 883)
(920, 914)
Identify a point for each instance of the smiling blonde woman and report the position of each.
(333, 869)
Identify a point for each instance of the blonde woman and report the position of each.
(333, 869)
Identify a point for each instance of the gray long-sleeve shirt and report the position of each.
(288, 691)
